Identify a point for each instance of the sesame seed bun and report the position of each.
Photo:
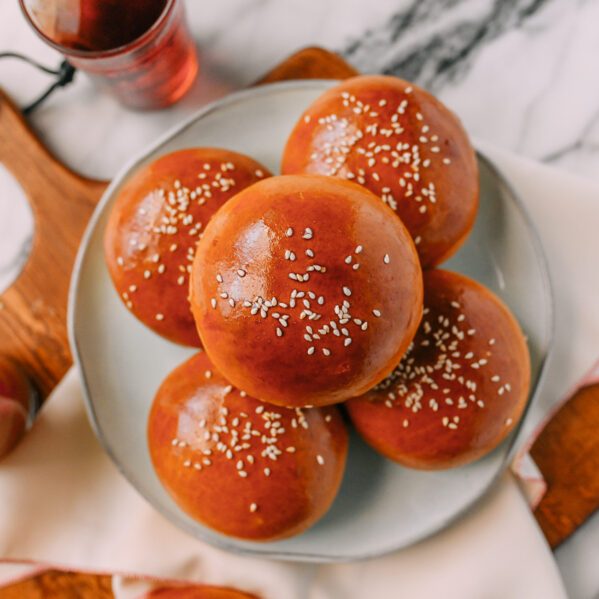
(242, 467)
(401, 143)
(460, 388)
(306, 290)
(154, 227)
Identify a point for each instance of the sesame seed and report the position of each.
(266, 471)
(358, 249)
(208, 374)
(347, 291)
(386, 259)
(377, 313)
(311, 350)
(289, 232)
(320, 459)
(326, 351)
(253, 507)
(213, 302)
(159, 317)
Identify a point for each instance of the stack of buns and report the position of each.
(310, 289)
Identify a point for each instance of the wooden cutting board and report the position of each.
(33, 310)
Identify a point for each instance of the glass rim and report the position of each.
(136, 42)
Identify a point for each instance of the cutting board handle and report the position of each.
(33, 310)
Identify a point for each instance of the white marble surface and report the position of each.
(522, 74)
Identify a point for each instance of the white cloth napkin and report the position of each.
(65, 504)
(68, 506)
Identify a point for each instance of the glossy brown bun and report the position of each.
(306, 290)
(460, 388)
(154, 227)
(244, 468)
(401, 143)
(196, 592)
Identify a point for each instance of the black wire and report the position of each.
(32, 62)
(65, 74)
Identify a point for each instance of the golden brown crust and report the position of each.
(197, 592)
(242, 467)
(155, 224)
(306, 290)
(460, 388)
(401, 143)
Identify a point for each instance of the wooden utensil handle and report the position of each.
(567, 454)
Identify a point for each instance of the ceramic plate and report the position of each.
(381, 506)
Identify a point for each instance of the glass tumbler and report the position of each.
(140, 51)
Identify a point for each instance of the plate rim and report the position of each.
(221, 541)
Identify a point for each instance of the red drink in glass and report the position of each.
(139, 50)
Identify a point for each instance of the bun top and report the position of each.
(155, 224)
(402, 144)
(461, 386)
(243, 467)
(306, 290)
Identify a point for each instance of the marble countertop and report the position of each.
(521, 74)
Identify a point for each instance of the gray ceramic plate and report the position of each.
(381, 506)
